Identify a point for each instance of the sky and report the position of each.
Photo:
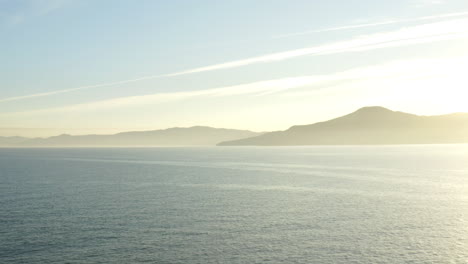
(102, 67)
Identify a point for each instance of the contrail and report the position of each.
(413, 35)
(372, 24)
(324, 49)
(16, 98)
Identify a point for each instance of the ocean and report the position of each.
(327, 204)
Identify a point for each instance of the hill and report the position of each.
(369, 125)
(11, 141)
(191, 136)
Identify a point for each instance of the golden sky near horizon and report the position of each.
(259, 74)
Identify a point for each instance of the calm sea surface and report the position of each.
(373, 204)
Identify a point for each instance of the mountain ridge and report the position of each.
(369, 125)
(176, 136)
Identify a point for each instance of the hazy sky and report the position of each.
(85, 66)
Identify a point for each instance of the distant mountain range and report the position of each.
(366, 126)
(369, 125)
(7, 141)
(191, 136)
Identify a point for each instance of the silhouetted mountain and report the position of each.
(10, 141)
(369, 125)
(191, 136)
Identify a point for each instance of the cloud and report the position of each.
(16, 98)
(426, 33)
(21, 10)
(242, 89)
(413, 69)
(389, 22)
(424, 3)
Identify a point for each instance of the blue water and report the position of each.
(372, 204)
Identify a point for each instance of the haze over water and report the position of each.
(374, 204)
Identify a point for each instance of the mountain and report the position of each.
(10, 141)
(369, 125)
(192, 136)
